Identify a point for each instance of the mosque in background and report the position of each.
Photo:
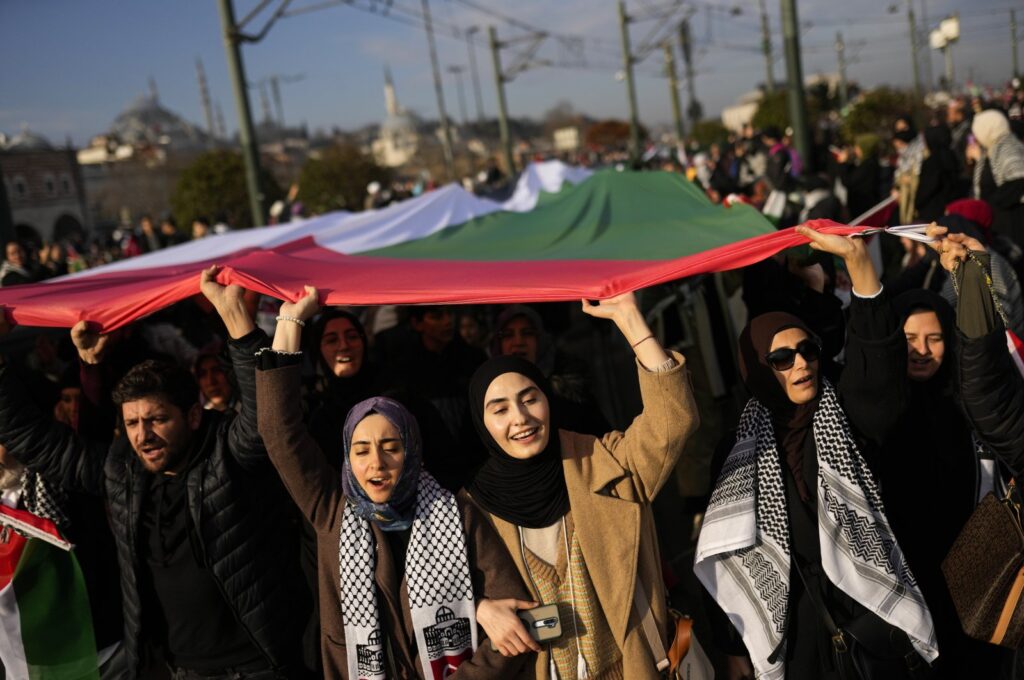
(399, 139)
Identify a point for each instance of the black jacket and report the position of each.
(992, 391)
(235, 500)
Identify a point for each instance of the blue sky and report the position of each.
(67, 67)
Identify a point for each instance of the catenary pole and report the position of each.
(795, 84)
(446, 133)
(246, 135)
(499, 81)
(627, 65)
(673, 90)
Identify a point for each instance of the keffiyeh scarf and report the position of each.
(439, 585)
(743, 554)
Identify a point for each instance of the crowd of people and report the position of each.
(257, 489)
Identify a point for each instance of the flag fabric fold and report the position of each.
(566, 233)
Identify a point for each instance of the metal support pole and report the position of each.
(457, 72)
(1013, 42)
(499, 81)
(204, 96)
(476, 77)
(673, 91)
(914, 50)
(246, 136)
(795, 84)
(841, 54)
(947, 52)
(694, 110)
(627, 65)
(446, 133)
(929, 75)
(766, 47)
(275, 92)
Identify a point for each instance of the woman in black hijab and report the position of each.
(796, 523)
(932, 456)
(575, 511)
(342, 376)
(937, 182)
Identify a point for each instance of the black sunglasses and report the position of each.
(783, 358)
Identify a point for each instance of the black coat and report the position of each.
(235, 499)
(862, 184)
(992, 391)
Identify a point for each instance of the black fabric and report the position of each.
(182, 602)
(930, 454)
(241, 512)
(1005, 199)
(862, 182)
(938, 181)
(528, 493)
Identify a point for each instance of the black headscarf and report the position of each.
(919, 299)
(529, 493)
(350, 390)
(792, 422)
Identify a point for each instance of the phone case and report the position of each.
(542, 623)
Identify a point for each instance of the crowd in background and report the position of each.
(877, 334)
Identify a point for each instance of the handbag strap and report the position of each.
(836, 633)
(650, 628)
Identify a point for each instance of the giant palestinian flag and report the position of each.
(565, 234)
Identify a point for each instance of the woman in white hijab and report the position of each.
(999, 172)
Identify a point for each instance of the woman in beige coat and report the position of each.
(575, 510)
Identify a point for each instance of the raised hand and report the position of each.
(228, 301)
(854, 252)
(91, 345)
(305, 308)
(623, 310)
(292, 317)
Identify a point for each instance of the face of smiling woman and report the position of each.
(342, 347)
(517, 415)
(377, 456)
(801, 381)
(926, 345)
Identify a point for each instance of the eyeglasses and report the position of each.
(783, 358)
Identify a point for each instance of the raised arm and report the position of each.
(991, 387)
(653, 443)
(245, 339)
(312, 483)
(42, 444)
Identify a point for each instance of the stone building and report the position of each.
(44, 188)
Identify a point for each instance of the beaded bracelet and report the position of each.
(292, 319)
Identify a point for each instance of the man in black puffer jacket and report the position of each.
(202, 523)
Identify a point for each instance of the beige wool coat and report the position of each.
(612, 482)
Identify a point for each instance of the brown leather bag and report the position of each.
(680, 643)
(985, 572)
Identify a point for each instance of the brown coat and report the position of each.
(316, 489)
(612, 482)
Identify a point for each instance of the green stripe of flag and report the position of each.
(610, 216)
(56, 624)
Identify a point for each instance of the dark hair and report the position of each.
(202, 219)
(417, 312)
(158, 379)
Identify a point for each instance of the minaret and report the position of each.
(204, 97)
(390, 98)
(153, 94)
(222, 130)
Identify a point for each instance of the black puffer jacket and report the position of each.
(993, 395)
(235, 499)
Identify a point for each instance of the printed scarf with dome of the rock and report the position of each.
(743, 553)
(438, 581)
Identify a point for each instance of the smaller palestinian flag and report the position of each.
(45, 623)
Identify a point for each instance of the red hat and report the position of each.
(972, 209)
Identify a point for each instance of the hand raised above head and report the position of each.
(612, 307)
(219, 295)
(305, 308)
(89, 342)
(846, 247)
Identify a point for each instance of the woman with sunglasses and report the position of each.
(796, 548)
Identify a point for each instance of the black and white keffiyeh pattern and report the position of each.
(439, 584)
(743, 553)
(44, 500)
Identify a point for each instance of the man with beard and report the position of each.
(198, 514)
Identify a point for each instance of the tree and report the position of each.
(610, 134)
(877, 110)
(337, 180)
(213, 186)
(707, 132)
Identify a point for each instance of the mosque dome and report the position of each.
(146, 122)
(28, 141)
